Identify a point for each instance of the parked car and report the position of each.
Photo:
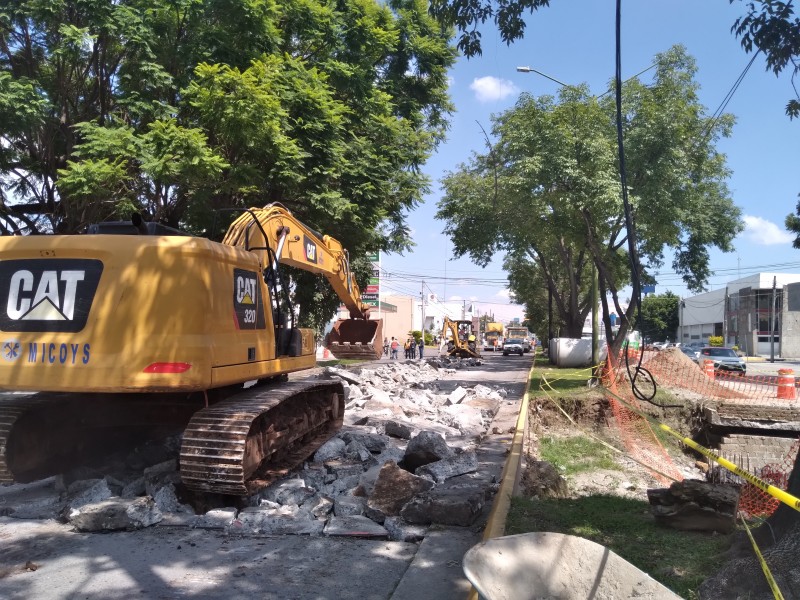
(725, 359)
(513, 346)
(690, 352)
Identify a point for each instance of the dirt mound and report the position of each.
(672, 368)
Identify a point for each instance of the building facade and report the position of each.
(403, 314)
(760, 314)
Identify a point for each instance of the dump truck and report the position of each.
(460, 339)
(493, 333)
(520, 333)
(134, 330)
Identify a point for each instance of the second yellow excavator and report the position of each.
(137, 328)
(460, 339)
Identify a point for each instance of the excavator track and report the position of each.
(12, 407)
(243, 443)
(47, 433)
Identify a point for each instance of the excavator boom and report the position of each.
(273, 227)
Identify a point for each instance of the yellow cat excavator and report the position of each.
(136, 328)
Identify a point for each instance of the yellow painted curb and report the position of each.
(496, 523)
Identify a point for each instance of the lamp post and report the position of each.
(532, 70)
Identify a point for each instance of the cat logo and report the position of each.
(248, 309)
(311, 249)
(47, 294)
(245, 290)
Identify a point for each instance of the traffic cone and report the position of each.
(786, 389)
(708, 368)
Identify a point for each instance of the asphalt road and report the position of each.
(45, 560)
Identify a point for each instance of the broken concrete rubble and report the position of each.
(424, 448)
(115, 514)
(452, 466)
(394, 488)
(453, 506)
(398, 422)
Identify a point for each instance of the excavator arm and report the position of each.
(279, 237)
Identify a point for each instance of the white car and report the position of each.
(513, 346)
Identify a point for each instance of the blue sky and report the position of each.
(573, 41)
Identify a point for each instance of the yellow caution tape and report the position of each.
(776, 592)
(785, 497)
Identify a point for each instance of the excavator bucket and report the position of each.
(356, 338)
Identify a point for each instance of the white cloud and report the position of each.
(456, 298)
(504, 293)
(473, 298)
(765, 233)
(490, 89)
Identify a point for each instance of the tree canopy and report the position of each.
(468, 15)
(660, 316)
(548, 192)
(174, 108)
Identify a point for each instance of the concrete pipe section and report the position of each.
(554, 565)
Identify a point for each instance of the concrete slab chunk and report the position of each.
(115, 514)
(332, 449)
(283, 521)
(426, 447)
(218, 518)
(394, 487)
(355, 526)
(442, 470)
(454, 506)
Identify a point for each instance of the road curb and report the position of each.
(509, 479)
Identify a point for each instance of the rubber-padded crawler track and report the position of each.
(241, 444)
(12, 407)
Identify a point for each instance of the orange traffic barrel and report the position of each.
(786, 388)
(708, 368)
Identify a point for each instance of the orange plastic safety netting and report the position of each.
(728, 397)
(635, 431)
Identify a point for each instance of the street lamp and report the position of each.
(561, 83)
(531, 70)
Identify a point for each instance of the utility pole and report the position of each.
(772, 322)
(422, 308)
(595, 321)
(725, 318)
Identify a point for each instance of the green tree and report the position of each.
(548, 193)
(660, 316)
(176, 108)
(467, 15)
